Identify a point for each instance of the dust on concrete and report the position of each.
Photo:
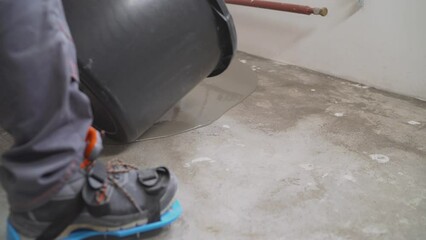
(371, 118)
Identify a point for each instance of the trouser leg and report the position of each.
(40, 103)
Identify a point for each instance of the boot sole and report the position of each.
(127, 232)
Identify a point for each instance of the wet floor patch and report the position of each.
(207, 102)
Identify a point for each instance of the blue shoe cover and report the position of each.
(166, 219)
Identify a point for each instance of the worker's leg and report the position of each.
(42, 108)
(40, 104)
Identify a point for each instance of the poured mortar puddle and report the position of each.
(206, 103)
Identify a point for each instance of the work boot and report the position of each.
(101, 198)
(110, 198)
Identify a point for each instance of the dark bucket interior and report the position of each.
(138, 58)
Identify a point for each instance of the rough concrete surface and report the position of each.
(307, 156)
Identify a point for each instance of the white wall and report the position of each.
(382, 44)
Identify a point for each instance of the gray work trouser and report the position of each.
(40, 103)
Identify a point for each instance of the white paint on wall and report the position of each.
(380, 44)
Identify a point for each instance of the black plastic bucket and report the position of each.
(137, 58)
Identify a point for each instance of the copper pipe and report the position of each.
(286, 7)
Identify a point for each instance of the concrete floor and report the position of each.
(307, 156)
